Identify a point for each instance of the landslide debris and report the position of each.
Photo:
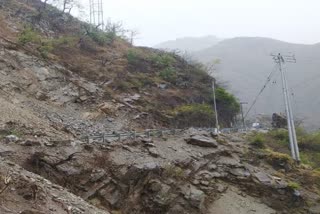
(169, 175)
(24, 192)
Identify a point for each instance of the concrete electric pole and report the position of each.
(241, 107)
(280, 60)
(215, 104)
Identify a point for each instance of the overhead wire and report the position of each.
(272, 91)
(261, 91)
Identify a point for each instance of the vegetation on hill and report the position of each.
(274, 145)
(228, 106)
(166, 81)
(278, 140)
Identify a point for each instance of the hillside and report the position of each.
(62, 63)
(189, 44)
(245, 64)
(69, 93)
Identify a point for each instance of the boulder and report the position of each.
(195, 196)
(97, 175)
(107, 108)
(263, 178)
(240, 172)
(31, 143)
(154, 152)
(229, 161)
(11, 139)
(110, 194)
(42, 96)
(202, 141)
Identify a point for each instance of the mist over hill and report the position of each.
(245, 64)
(189, 44)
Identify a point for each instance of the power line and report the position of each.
(261, 91)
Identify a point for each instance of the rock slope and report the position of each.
(167, 175)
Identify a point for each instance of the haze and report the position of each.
(288, 20)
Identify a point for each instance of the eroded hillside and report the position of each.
(61, 80)
(52, 62)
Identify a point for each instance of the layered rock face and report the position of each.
(164, 175)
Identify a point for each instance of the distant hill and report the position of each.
(189, 44)
(246, 64)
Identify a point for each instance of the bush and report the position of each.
(173, 172)
(29, 35)
(65, 41)
(197, 115)
(227, 105)
(279, 160)
(134, 56)
(163, 60)
(281, 136)
(310, 142)
(293, 185)
(45, 48)
(169, 74)
(258, 141)
(100, 37)
(140, 80)
(124, 86)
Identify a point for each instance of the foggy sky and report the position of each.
(157, 21)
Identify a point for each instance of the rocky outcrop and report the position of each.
(164, 176)
(202, 141)
(36, 195)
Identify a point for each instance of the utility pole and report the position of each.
(280, 60)
(241, 107)
(215, 104)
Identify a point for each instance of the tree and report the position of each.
(132, 35)
(227, 105)
(115, 29)
(65, 5)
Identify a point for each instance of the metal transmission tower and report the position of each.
(280, 60)
(96, 13)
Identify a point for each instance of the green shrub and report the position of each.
(197, 115)
(65, 41)
(227, 105)
(169, 74)
(140, 80)
(29, 35)
(293, 185)
(279, 160)
(280, 136)
(258, 140)
(45, 48)
(134, 56)
(163, 60)
(310, 142)
(173, 171)
(124, 86)
(100, 37)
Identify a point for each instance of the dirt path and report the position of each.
(231, 202)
